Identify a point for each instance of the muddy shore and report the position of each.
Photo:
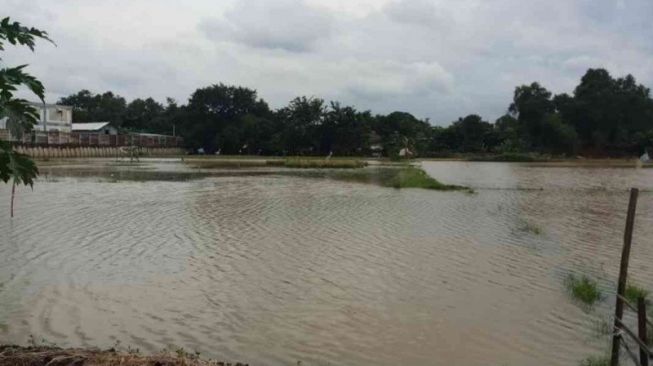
(12, 355)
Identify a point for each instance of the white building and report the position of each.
(57, 118)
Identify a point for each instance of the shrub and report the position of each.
(583, 289)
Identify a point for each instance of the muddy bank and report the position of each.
(11, 355)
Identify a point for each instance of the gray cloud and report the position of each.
(434, 58)
(290, 25)
(418, 12)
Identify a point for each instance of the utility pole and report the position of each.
(45, 123)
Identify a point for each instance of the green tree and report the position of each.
(89, 107)
(509, 135)
(607, 113)
(344, 131)
(402, 130)
(301, 121)
(142, 115)
(531, 104)
(18, 168)
(213, 118)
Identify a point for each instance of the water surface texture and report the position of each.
(269, 268)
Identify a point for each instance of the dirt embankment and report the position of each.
(52, 356)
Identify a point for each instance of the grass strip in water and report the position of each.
(225, 163)
(319, 163)
(411, 177)
(510, 157)
(404, 177)
(583, 289)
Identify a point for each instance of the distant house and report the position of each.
(58, 118)
(406, 153)
(104, 128)
(376, 150)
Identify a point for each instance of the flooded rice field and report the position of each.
(271, 266)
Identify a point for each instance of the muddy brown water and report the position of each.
(269, 267)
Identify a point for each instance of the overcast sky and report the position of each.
(438, 59)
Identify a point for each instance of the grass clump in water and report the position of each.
(404, 177)
(634, 292)
(225, 163)
(411, 177)
(583, 289)
(595, 361)
(531, 228)
(307, 163)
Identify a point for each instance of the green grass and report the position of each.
(402, 177)
(633, 292)
(583, 289)
(411, 177)
(225, 163)
(602, 328)
(531, 228)
(301, 163)
(595, 361)
(510, 157)
(321, 163)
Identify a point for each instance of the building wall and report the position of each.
(58, 117)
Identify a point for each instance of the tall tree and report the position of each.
(344, 131)
(213, 116)
(89, 107)
(531, 104)
(301, 121)
(142, 114)
(608, 112)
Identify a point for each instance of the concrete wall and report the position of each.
(54, 152)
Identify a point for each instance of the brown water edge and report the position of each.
(12, 355)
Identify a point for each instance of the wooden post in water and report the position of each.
(623, 276)
(641, 327)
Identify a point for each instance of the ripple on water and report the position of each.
(275, 269)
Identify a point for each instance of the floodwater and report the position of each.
(269, 267)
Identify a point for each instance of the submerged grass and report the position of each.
(511, 157)
(308, 163)
(583, 289)
(301, 163)
(531, 228)
(595, 361)
(634, 292)
(403, 177)
(225, 163)
(411, 177)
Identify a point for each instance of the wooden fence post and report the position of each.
(641, 327)
(623, 275)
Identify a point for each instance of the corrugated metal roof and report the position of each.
(91, 126)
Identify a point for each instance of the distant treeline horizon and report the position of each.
(604, 116)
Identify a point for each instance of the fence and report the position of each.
(62, 151)
(40, 138)
(621, 329)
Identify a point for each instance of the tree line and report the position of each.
(603, 116)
